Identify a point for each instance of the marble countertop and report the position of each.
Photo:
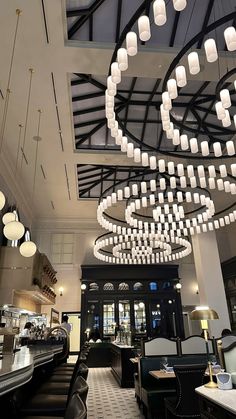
(224, 398)
(17, 369)
(120, 345)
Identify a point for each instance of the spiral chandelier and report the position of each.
(162, 234)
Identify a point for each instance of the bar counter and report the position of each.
(121, 367)
(17, 369)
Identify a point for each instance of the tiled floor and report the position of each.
(106, 400)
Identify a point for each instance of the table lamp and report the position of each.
(204, 313)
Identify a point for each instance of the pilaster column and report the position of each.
(210, 280)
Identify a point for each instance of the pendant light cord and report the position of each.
(18, 149)
(36, 154)
(8, 91)
(31, 70)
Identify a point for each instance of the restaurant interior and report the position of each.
(118, 261)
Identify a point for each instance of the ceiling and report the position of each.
(70, 49)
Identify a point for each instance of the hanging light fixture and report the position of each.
(7, 98)
(210, 50)
(29, 248)
(14, 230)
(159, 12)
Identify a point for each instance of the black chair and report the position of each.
(42, 404)
(65, 388)
(185, 405)
(75, 410)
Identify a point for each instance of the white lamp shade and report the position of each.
(144, 28)
(111, 87)
(220, 110)
(179, 5)
(184, 142)
(193, 145)
(226, 122)
(230, 38)
(13, 230)
(8, 217)
(115, 74)
(211, 50)
(131, 43)
(176, 137)
(225, 98)
(28, 249)
(181, 76)
(122, 59)
(205, 148)
(2, 200)
(166, 100)
(230, 148)
(193, 63)
(217, 149)
(159, 12)
(172, 88)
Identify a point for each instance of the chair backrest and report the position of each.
(160, 347)
(229, 358)
(76, 408)
(188, 377)
(195, 345)
(227, 341)
(79, 386)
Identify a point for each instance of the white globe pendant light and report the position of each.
(2, 200)
(28, 249)
(179, 5)
(8, 217)
(14, 230)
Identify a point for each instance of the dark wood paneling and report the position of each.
(139, 272)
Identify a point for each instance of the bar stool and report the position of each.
(75, 410)
(64, 388)
(53, 404)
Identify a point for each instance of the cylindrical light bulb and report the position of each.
(122, 59)
(144, 28)
(193, 62)
(230, 38)
(172, 88)
(131, 43)
(210, 50)
(181, 76)
(159, 12)
(225, 98)
(179, 5)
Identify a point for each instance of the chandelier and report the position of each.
(163, 236)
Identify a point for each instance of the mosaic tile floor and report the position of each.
(106, 400)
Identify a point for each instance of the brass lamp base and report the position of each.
(211, 384)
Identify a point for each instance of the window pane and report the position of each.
(56, 248)
(68, 248)
(66, 258)
(139, 317)
(108, 318)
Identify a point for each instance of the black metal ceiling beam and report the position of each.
(84, 137)
(174, 29)
(91, 28)
(81, 21)
(156, 85)
(133, 82)
(206, 20)
(77, 12)
(97, 84)
(87, 96)
(91, 122)
(88, 110)
(118, 19)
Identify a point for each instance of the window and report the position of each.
(108, 286)
(62, 247)
(153, 286)
(138, 286)
(166, 285)
(139, 317)
(93, 286)
(109, 318)
(123, 286)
